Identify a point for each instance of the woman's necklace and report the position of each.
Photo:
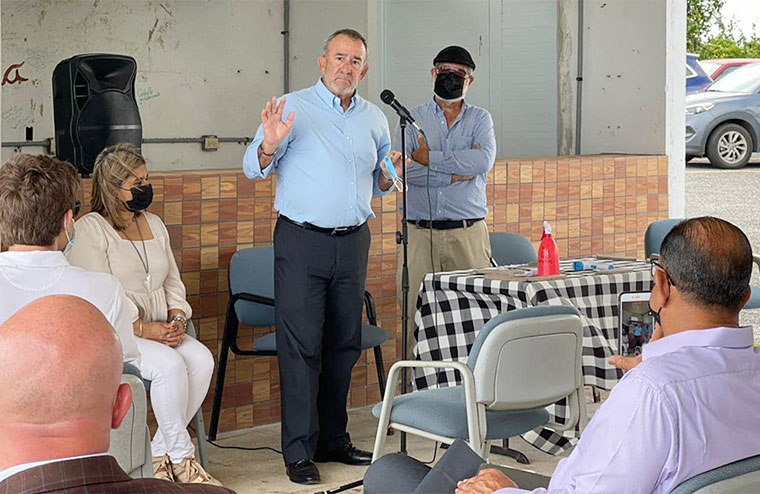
(144, 262)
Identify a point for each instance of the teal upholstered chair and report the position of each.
(511, 248)
(739, 477)
(251, 282)
(656, 233)
(521, 361)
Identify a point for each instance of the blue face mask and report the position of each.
(70, 244)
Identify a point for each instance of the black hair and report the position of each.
(709, 261)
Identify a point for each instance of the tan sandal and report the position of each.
(189, 471)
(162, 468)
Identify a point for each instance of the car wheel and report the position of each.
(729, 146)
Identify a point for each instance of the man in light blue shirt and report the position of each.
(447, 177)
(327, 153)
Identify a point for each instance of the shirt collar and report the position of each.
(330, 99)
(34, 258)
(717, 337)
(438, 111)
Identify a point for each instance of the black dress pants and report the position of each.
(319, 282)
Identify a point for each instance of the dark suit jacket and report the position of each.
(95, 475)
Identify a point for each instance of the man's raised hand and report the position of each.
(275, 129)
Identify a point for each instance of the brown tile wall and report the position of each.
(596, 204)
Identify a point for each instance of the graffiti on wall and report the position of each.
(12, 75)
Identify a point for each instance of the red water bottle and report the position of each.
(548, 257)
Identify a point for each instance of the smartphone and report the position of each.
(635, 323)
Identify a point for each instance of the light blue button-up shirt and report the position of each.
(450, 154)
(329, 164)
(690, 406)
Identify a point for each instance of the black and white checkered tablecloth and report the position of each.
(449, 318)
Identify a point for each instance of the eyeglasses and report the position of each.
(139, 182)
(77, 208)
(450, 69)
(655, 266)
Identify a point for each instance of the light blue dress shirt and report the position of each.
(329, 164)
(450, 154)
(690, 406)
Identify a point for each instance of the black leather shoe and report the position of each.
(347, 454)
(303, 472)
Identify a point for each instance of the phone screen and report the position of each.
(635, 327)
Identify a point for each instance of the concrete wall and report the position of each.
(623, 107)
(203, 67)
(633, 81)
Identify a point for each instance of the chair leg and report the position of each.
(200, 435)
(595, 394)
(380, 370)
(217, 406)
(505, 450)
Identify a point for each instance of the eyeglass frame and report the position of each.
(443, 68)
(655, 266)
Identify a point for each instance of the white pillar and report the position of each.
(675, 93)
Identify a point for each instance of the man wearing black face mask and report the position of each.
(447, 177)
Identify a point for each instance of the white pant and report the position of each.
(180, 379)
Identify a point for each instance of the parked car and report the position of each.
(723, 123)
(696, 78)
(719, 67)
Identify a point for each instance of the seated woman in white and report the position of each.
(121, 238)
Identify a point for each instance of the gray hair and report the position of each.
(344, 32)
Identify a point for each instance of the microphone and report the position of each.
(389, 98)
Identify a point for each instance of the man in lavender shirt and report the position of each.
(691, 404)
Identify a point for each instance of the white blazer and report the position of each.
(27, 276)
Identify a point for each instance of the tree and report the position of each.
(701, 17)
(710, 36)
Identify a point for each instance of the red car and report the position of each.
(719, 67)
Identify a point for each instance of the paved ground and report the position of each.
(733, 195)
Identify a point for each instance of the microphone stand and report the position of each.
(403, 239)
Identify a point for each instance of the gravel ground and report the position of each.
(733, 196)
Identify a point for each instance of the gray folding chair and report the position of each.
(656, 233)
(739, 477)
(521, 361)
(130, 443)
(251, 282)
(200, 430)
(511, 248)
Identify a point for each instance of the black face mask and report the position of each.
(449, 86)
(141, 198)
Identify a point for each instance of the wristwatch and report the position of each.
(180, 318)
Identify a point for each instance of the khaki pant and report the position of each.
(459, 248)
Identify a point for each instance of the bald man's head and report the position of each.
(61, 362)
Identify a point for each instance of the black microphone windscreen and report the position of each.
(387, 96)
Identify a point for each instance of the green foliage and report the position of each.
(703, 20)
(701, 16)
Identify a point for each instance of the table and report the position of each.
(452, 307)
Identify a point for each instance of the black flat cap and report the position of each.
(454, 54)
